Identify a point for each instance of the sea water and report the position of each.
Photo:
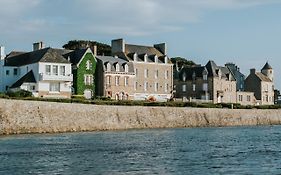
(236, 150)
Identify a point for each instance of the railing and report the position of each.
(46, 77)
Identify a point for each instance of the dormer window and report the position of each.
(166, 60)
(156, 59)
(88, 65)
(184, 76)
(126, 67)
(205, 75)
(193, 76)
(145, 57)
(108, 67)
(117, 67)
(135, 57)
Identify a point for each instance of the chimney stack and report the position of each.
(253, 71)
(38, 46)
(117, 45)
(2, 52)
(95, 51)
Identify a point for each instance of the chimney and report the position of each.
(162, 48)
(95, 51)
(38, 46)
(2, 52)
(117, 45)
(253, 71)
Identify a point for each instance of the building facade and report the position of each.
(115, 78)
(262, 84)
(153, 70)
(44, 72)
(83, 68)
(209, 83)
(239, 77)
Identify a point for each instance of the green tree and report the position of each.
(182, 61)
(102, 49)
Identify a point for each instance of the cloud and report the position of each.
(108, 17)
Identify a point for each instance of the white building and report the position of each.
(44, 71)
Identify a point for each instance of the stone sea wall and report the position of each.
(18, 117)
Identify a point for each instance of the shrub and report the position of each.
(20, 93)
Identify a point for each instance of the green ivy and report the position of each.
(78, 81)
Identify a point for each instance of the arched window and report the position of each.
(156, 59)
(117, 67)
(145, 57)
(108, 67)
(126, 67)
(88, 65)
(135, 57)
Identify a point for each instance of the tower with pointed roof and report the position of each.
(267, 70)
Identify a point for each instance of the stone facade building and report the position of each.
(209, 83)
(262, 84)
(152, 67)
(239, 77)
(115, 78)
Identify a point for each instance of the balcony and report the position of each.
(46, 77)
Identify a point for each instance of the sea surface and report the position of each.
(237, 150)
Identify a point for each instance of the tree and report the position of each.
(102, 49)
(182, 62)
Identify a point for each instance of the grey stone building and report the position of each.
(240, 77)
(262, 84)
(209, 83)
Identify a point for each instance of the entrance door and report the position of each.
(88, 94)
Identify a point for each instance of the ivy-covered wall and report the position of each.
(78, 75)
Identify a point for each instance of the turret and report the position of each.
(268, 71)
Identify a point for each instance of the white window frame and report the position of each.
(54, 87)
(184, 88)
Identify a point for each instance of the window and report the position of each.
(108, 67)
(145, 58)
(145, 86)
(205, 77)
(166, 87)
(88, 79)
(136, 85)
(117, 80)
(88, 65)
(156, 87)
(62, 70)
(48, 69)
(184, 88)
(126, 83)
(166, 74)
(7, 72)
(54, 87)
(126, 67)
(108, 80)
(156, 73)
(240, 97)
(15, 71)
(55, 70)
(136, 71)
(31, 88)
(205, 87)
(117, 67)
(146, 73)
(156, 59)
(194, 87)
(184, 76)
(248, 98)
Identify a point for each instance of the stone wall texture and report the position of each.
(20, 117)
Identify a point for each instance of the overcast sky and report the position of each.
(246, 32)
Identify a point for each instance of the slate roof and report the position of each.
(131, 49)
(43, 55)
(262, 77)
(266, 66)
(76, 55)
(211, 68)
(113, 61)
(27, 78)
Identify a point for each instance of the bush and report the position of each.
(20, 93)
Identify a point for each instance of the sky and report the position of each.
(245, 32)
